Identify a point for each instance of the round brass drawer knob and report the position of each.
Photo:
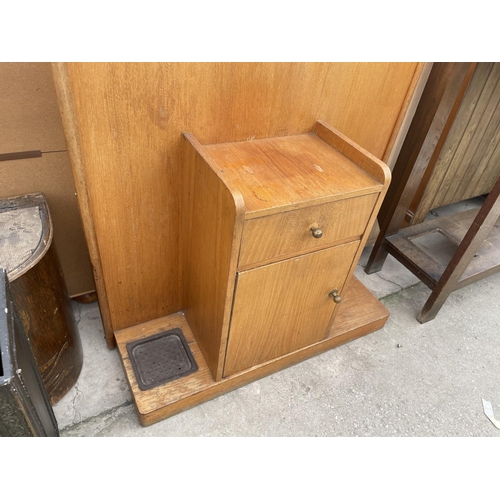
(334, 294)
(316, 232)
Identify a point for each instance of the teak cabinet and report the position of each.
(271, 232)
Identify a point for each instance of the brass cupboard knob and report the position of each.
(316, 232)
(334, 294)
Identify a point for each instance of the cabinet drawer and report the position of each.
(285, 306)
(279, 236)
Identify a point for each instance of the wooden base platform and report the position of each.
(360, 313)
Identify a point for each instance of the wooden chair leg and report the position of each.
(378, 255)
(479, 230)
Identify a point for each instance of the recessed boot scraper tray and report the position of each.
(161, 358)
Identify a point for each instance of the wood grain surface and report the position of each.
(212, 221)
(51, 174)
(45, 309)
(284, 306)
(475, 237)
(20, 235)
(30, 120)
(125, 145)
(66, 107)
(353, 151)
(286, 173)
(440, 99)
(226, 183)
(285, 235)
(360, 313)
(41, 299)
(378, 169)
(423, 264)
(30, 117)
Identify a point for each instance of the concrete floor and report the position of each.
(430, 386)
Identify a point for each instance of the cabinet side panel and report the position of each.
(209, 246)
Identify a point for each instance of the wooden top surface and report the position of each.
(291, 171)
(20, 235)
(25, 233)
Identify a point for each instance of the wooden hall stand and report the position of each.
(474, 233)
(273, 230)
(124, 125)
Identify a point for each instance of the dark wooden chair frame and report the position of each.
(434, 116)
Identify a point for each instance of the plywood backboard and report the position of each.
(123, 123)
(30, 120)
(30, 117)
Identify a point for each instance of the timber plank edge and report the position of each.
(72, 136)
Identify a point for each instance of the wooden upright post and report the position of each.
(479, 230)
(433, 118)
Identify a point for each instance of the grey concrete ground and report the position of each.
(430, 386)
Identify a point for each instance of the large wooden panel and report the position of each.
(469, 163)
(284, 306)
(124, 124)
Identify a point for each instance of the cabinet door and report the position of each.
(282, 307)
